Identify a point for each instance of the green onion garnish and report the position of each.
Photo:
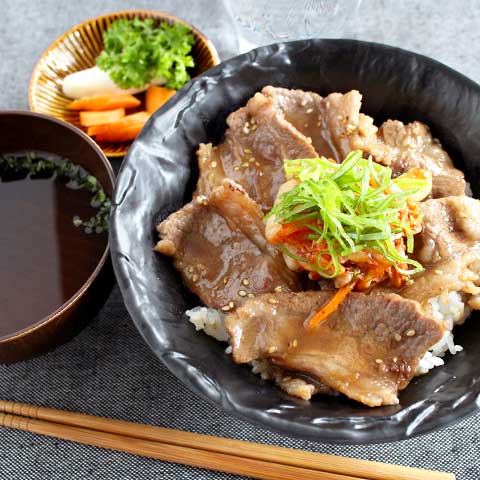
(350, 207)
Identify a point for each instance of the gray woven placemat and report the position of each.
(108, 370)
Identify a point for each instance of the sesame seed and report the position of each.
(272, 300)
(251, 159)
(246, 131)
(226, 308)
(247, 124)
(278, 289)
(378, 360)
(410, 333)
(339, 117)
(213, 164)
(247, 150)
(271, 349)
(295, 343)
(318, 124)
(245, 164)
(254, 127)
(246, 282)
(236, 168)
(328, 104)
(242, 293)
(309, 110)
(309, 140)
(250, 295)
(305, 125)
(204, 202)
(257, 164)
(438, 272)
(231, 304)
(190, 269)
(303, 102)
(195, 278)
(225, 280)
(260, 174)
(395, 359)
(397, 337)
(252, 121)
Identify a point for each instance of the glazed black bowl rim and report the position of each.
(332, 430)
(82, 137)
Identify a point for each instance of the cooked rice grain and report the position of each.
(211, 321)
(450, 309)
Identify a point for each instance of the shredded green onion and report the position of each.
(351, 206)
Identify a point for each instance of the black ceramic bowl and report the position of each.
(158, 177)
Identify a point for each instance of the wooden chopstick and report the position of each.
(171, 453)
(167, 452)
(201, 450)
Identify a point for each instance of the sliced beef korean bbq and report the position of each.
(304, 191)
(449, 248)
(368, 349)
(257, 141)
(219, 247)
(403, 147)
(336, 127)
(328, 121)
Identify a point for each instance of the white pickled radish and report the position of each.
(94, 81)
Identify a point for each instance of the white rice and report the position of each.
(450, 309)
(263, 368)
(211, 321)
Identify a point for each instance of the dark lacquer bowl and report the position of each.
(160, 173)
(34, 270)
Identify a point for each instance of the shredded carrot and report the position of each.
(331, 305)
